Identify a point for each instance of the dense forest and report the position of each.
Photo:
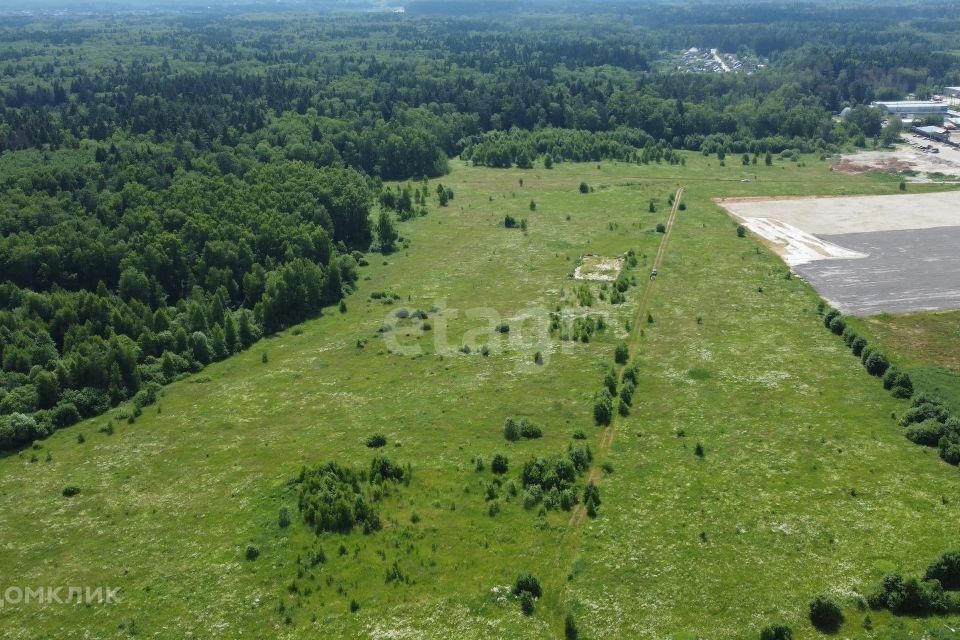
(174, 187)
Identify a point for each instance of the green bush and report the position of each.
(946, 569)
(776, 632)
(829, 316)
(570, 631)
(837, 325)
(858, 345)
(499, 464)
(511, 430)
(876, 363)
(283, 518)
(526, 603)
(253, 552)
(70, 490)
(910, 596)
(376, 441)
(825, 614)
(927, 433)
(529, 583)
(603, 408)
(621, 354)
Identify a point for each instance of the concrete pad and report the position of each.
(853, 214)
(904, 271)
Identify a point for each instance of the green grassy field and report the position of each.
(807, 484)
(927, 345)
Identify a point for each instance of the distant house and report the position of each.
(953, 92)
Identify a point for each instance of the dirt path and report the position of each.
(633, 344)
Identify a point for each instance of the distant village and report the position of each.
(694, 60)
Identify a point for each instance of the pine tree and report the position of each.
(116, 389)
(168, 367)
(386, 233)
(218, 343)
(230, 334)
(247, 337)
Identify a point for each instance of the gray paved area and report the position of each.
(908, 270)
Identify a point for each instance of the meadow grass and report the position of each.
(806, 486)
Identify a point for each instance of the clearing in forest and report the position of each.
(757, 466)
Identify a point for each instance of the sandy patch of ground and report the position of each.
(944, 166)
(593, 267)
(794, 245)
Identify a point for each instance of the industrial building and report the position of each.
(934, 133)
(912, 108)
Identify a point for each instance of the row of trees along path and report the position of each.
(556, 574)
(633, 344)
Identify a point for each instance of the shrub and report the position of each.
(776, 632)
(699, 451)
(283, 518)
(910, 596)
(579, 435)
(741, 231)
(526, 603)
(584, 187)
(529, 430)
(837, 325)
(902, 386)
(529, 583)
(511, 430)
(70, 490)
(65, 414)
(858, 345)
(950, 447)
(252, 552)
(354, 606)
(499, 464)
(661, 228)
(603, 408)
(890, 377)
(825, 614)
(580, 456)
(829, 316)
(926, 433)
(570, 631)
(876, 364)
(509, 221)
(610, 380)
(849, 335)
(946, 569)
(621, 354)
(376, 441)
(925, 407)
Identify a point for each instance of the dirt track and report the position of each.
(633, 343)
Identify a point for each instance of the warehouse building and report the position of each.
(912, 108)
(934, 133)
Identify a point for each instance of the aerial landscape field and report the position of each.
(360, 321)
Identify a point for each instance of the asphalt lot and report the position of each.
(905, 270)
